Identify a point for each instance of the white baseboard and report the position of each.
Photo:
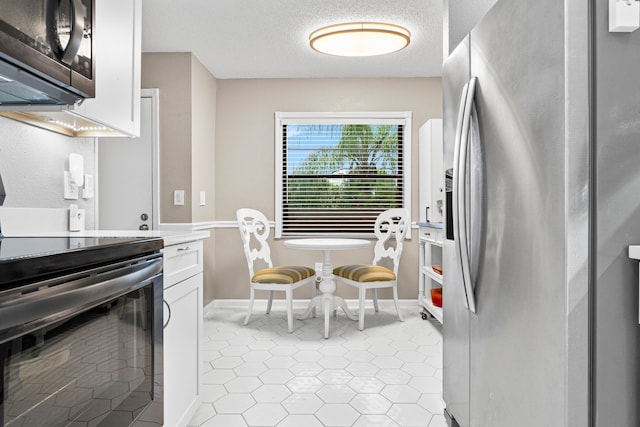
(301, 304)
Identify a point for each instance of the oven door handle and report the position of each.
(169, 316)
(29, 312)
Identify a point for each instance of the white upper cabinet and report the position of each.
(117, 49)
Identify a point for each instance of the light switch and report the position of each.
(203, 198)
(70, 187)
(178, 198)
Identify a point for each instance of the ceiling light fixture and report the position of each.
(359, 39)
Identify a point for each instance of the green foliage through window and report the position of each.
(338, 177)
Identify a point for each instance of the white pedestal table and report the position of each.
(327, 302)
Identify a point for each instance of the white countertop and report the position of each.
(170, 237)
(43, 222)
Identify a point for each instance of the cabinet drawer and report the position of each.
(182, 261)
(432, 235)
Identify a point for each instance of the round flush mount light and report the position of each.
(359, 39)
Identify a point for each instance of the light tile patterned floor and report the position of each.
(390, 374)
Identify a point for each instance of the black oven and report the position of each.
(81, 333)
(47, 44)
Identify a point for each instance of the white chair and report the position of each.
(390, 228)
(254, 229)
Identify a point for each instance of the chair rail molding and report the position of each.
(272, 224)
(234, 224)
(186, 226)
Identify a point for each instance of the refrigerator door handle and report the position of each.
(456, 185)
(463, 195)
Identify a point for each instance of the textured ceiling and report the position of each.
(238, 39)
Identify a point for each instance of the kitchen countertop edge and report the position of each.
(169, 237)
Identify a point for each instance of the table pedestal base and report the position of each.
(327, 303)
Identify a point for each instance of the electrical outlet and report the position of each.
(178, 198)
(203, 198)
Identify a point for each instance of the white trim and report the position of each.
(188, 226)
(302, 304)
(278, 173)
(332, 115)
(373, 117)
(406, 157)
(233, 224)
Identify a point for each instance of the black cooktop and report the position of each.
(25, 259)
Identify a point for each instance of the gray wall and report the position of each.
(187, 141)
(32, 164)
(617, 168)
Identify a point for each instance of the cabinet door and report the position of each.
(431, 174)
(436, 173)
(182, 336)
(117, 50)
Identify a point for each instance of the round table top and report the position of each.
(326, 244)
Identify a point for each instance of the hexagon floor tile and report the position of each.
(260, 375)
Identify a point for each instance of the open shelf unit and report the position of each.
(430, 254)
(431, 201)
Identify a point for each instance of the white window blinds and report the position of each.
(336, 173)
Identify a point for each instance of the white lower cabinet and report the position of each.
(182, 331)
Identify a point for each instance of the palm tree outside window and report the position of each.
(337, 171)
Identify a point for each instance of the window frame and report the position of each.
(403, 118)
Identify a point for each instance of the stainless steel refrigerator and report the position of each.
(542, 160)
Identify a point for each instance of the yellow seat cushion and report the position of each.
(284, 275)
(365, 273)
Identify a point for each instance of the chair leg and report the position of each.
(289, 297)
(251, 296)
(361, 294)
(269, 302)
(313, 294)
(327, 312)
(395, 300)
(374, 291)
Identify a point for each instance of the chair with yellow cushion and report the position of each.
(254, 230)
(390, 228)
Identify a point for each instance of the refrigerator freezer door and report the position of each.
(455, 325)
(518, 336)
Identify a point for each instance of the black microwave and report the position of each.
(46, 51)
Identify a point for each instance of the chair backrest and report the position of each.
(390, 228)
(254, 227)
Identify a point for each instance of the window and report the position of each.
(335, 172)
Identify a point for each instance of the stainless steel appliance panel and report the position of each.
(81, 345)
(455, 325)
(517, 337)
(46, 51)
(617, 158)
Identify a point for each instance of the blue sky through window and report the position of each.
(304, 139)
